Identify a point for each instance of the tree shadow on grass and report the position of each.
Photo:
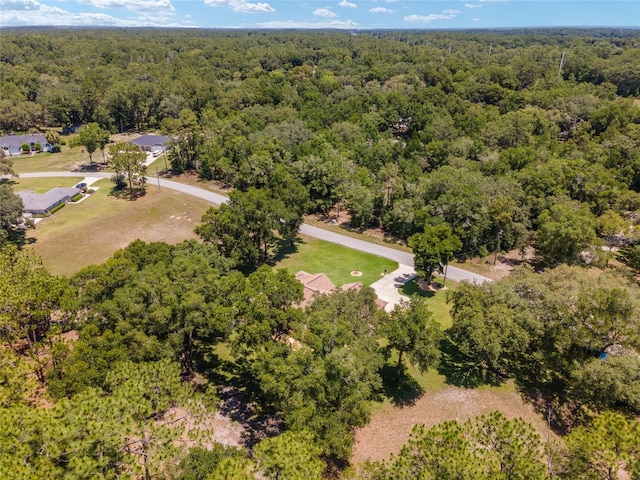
(237, 392)
(413, 288)
(284, 249)
(402, 393)
(123, 193)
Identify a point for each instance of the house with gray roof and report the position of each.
(152, 143)
(12, 144)
(43, 203)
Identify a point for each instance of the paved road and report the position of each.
(403, 258)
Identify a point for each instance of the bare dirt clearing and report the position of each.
(390, 426)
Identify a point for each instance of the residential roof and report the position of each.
(39, 202)
(151, 140)
(18, 140)
(313, 283)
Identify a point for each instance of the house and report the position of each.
(152, 143)
(319, 284)
(44, 203)
(12, 144)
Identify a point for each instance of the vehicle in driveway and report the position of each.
(81, 186)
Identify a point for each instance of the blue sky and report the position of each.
(344, 14)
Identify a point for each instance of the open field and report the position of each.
(66, 160)
(42, 185)
(337, 262)
(91, 231)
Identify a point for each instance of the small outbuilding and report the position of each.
(44, 203)
(12, 144)
(152, 143)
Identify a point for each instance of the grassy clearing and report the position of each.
(337, 262)
(437, 300)
(42, 185)
(66, 160)
(91, 231)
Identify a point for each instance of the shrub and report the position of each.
(56, 208)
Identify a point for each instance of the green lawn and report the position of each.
(91, 231)
(337, 262)
(42, 185)
(64, 160)
(437, 300)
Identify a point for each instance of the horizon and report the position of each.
(348, 15)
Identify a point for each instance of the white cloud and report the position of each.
(472, 5)
(445, 15)
(345, 3)
(241, 6)
(380, 10)
(137, 5)
(325, 13)
(308, 25)
(32, 12)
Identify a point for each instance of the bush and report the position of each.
(25, 148)
(56, 208)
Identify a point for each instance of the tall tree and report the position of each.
(12, 223)
(128, 162)
(411, 329)
(433, 249)
(91, 137)
(566, 229)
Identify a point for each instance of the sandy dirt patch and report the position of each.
(390, 427)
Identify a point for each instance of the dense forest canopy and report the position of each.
(499, 133)
(485, 141)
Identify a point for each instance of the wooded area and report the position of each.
(458, 144)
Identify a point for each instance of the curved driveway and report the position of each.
(403, 258)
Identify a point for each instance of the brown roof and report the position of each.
(313, 284)
(318, 284)
(351, 286)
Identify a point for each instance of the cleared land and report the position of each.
(391, 425)
(91, 231)
(337, 262)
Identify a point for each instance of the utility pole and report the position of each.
(158, 177)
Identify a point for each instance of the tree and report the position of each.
(245, 228)
(486, 447)
(411, 329)
(12, 223)
(91, 137)
(291, 455)
(128, 162)
(600, 450)
(565, 230)
(53, 137)
(6, 165)
(433, 249)
(630, 256)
